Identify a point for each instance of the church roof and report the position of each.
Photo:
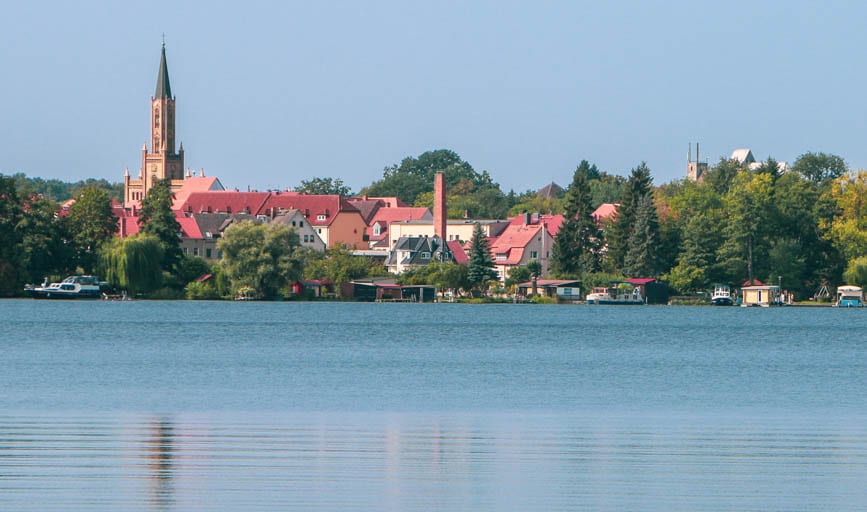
(163, 89)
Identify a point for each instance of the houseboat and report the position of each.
(761, 296)
(849, 297)
(722, 295)
(617, 294)
(73, 287)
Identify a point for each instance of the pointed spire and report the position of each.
(163, 90)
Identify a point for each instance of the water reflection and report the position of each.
(417, 462)
(161, 465)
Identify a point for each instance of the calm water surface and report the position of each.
(175, 406)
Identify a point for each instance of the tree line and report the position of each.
(800, 228)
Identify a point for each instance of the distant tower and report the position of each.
(162, 161)
(695, 170)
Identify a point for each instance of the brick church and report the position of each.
(163, 160)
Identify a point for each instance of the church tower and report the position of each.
(162, 161)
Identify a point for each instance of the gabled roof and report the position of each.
(129, 226)
(195, 184)
(163, 89)
(640, 281)
(550, 190)
(551, 283)
(605, 211)
(743, 156)
(513, 241)
(367, 207)
(412, 249)
(458, 252)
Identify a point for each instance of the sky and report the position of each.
(273, 93)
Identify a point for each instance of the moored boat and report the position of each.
(849, 296)
(73, 287)
(615, 295)
(722, 295)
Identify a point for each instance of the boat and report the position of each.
(73, 287)
(615, 295)
(849, 296)
(722, 295)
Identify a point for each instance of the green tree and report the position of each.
(157, 218)
(91, 223)
(324, 186)
(45, 248)
(618, 232)
(133, 263)
(847, 229)
(746, 242)
(820, 167)
(10, 247)
(577, 244)
(720, 177)
(263, 257)
(480, 270)
(415, 176)
(856, 272)
(642, 258)
(445, 275)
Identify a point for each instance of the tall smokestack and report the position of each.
(440, 206)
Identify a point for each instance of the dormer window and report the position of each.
(502, 256)
(377, 229)
(321, 217)
(425, 255)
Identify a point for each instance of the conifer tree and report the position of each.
(481, 264)
(576, 247)
(618, 232)
(642, 259)
(158, 219)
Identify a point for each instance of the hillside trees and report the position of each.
(820, 167)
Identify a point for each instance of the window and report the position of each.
(219, 254)
(377, 229)
(185, 250)
(321, 217)
(300, 223)
(534, 255)
(320, 231)
(425, 255)
(502, 257)
(208, 253)
(293, 224)
(195, 251)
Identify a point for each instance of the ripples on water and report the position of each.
(373, 407)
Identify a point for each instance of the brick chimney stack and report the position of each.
(440, 212)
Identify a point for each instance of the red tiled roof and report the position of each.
(224, 201)
(605, 211)
(754, 282)
(195, 184)
(551, 222)
(640, 280)
(128, 225)
(458, 252)
(311, 205)
(385, 216)
(513, 241)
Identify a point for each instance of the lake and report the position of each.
(176, 406)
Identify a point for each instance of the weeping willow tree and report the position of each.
(133, 263)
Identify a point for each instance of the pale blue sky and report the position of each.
(270, 93)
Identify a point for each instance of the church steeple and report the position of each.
(163, 89)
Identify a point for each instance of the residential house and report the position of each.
(457, 229)
(416, 251)
(527, 238)
(381, 221)
(307, 234)
(561, 289)
(337, 222)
